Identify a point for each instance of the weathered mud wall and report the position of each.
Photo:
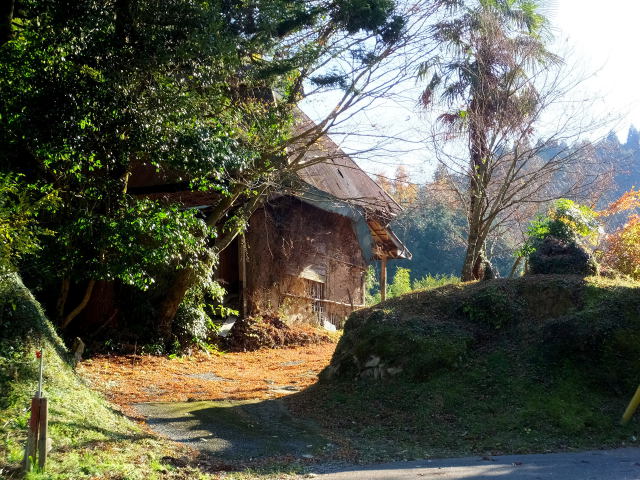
(296, 252)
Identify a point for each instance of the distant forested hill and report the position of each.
(433, 226)
(627, 160)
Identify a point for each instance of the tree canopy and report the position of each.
(202, 92)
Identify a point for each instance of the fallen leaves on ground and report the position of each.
(269, 331)
(129, 379)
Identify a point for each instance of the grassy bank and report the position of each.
(529, 365)
(89, 438)
(537, 364)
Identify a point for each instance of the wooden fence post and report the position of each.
(43, 432)
(38, 426)
(383, 278)
(32, 436)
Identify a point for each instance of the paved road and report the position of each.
(620, 464)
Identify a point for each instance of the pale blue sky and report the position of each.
(601, 43)
(605, 37)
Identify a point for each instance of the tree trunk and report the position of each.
(83, 303)
(62, 298)
(479, 266)
(181, 282)
(475, 240)
(515, 266)
(471, 268)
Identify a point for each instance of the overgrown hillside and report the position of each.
(532, 364)
(89, 439)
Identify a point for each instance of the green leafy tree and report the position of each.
(567, 221)
(401, 283)
(20, 206)
(371, 286)
(573, 225)
(93, 90)
(429, 282)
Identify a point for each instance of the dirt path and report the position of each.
(262, 375)
(240, 432)
(225, 406)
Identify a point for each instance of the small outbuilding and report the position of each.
(305, 252)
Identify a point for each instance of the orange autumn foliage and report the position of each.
(628, 201)
(401, 188)
(622, 247)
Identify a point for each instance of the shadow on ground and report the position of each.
(236, 430)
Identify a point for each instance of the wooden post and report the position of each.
(42, 433)
(383, 278)
(38, 426)
(32, 435)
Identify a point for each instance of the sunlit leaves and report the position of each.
(134, 242)
(622, 247)
(567, 221)
(622, 252)
(20, 205)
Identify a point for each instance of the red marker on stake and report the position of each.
(37, 436)
(41, 357)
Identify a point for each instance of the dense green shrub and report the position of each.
(401, 283)
(20, 205)
(491, 307)
(555, 256)
(434, 281)
(557, 242)
(191, 325)
(201, 313)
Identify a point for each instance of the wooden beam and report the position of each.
(383, 278)
(323, 300)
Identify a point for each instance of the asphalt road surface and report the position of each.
(620, 464)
